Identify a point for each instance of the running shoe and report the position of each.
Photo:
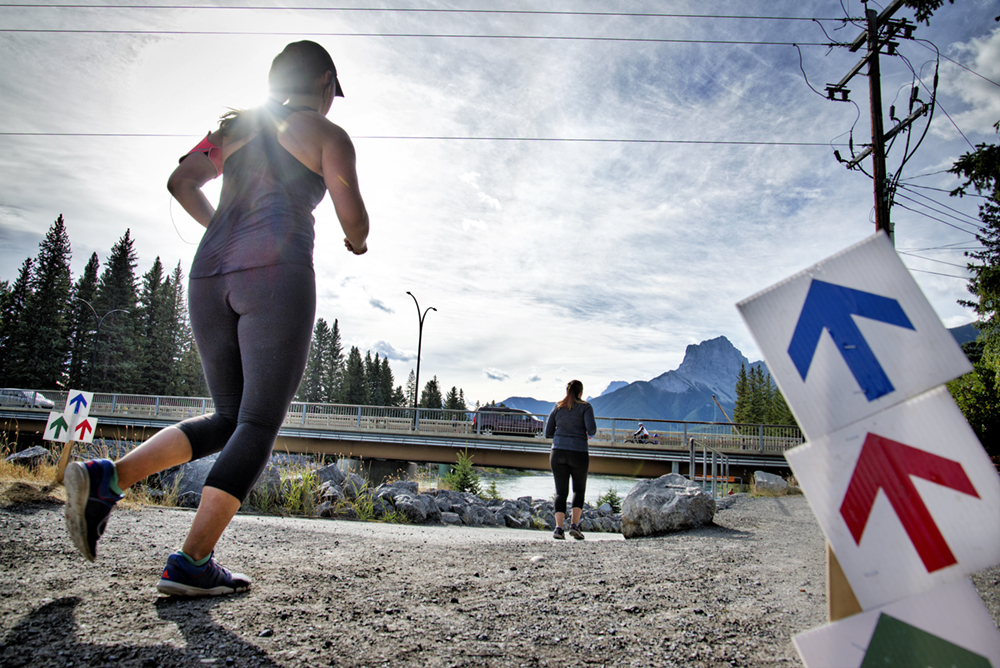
(574, 531)
(89, 501)
(180, 578)
(559, 534)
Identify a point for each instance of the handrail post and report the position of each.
(691, 452)
(359, 417)
(685, 432)
(303, 414)
(714, 476)
(156, 408)
(760, 431)
(416, 421)
(614, 428)
(114, 403)
(203, 406)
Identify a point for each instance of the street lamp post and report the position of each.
(97, 336)
(420, 340)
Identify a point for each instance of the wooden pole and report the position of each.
(64, 461)
(840, 599)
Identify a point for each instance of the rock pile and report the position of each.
(348, 496)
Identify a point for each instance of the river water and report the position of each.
(541, 485)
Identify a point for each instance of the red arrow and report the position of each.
(886, 464)
(83, 428)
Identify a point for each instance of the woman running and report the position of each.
(252, 300)
(569, 425)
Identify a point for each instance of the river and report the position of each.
(542, 486)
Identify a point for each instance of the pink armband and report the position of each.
(213, 152)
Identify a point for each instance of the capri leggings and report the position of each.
(568, 464)
(253, 329)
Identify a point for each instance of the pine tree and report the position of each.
(311, 389)
(411, 389)
(431, 398)
(385, 384)
(355, 383)
(117, 368)
(373, 378)
(12, 343)
(333, 374)
(82, 324)
(742, 411)
(187, 378)
(156, 353)
(978, 393)
(44, 319)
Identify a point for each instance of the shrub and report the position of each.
(611, 498)
(462, 477)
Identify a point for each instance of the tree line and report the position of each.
(758, 399)
(111, 330)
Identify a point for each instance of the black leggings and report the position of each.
(566, 464)
(253, 329)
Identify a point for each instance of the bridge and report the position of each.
(437, 436)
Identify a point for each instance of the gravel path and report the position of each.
(363, 594)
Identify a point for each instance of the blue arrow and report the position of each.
(80, 402)
(830, 307)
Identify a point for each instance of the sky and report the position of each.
(547, 255)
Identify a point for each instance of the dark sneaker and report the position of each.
(180, 578)
(574, 531)
(559, 534)
(89, 501)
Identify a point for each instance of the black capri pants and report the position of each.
(568, 464)
(253, 329)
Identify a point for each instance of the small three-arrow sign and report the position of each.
(888, 465)
(830, 307)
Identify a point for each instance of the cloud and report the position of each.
(495, 374)
(379, 305)
(534, 378)
(387, 350)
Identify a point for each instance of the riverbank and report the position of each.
(329, 592)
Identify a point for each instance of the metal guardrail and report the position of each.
(720, 465)
(611, 432)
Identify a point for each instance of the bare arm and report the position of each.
(185, 185)
(340, 174)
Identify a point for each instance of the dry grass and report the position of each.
(791, 490)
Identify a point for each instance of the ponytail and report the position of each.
(574, 390)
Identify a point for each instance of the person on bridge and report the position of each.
(252, 297)
(640, 435)
(569, 425)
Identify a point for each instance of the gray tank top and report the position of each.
(265, 210)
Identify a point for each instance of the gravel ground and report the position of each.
(364, 594)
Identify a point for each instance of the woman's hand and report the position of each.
(357, 251)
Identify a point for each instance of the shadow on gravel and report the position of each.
(49, 636)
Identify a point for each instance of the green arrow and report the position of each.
(59, 425)
(896, 644)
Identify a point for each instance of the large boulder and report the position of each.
(765, 481)
(33, 457)
(665, 505)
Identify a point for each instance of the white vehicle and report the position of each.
(29, 398)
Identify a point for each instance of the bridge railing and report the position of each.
(611, 432)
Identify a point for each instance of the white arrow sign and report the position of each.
(948, 626)
(908, 499)
(851, 336)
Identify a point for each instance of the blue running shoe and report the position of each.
(89, 501)
(180, 578)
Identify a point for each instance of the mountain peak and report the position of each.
(713, 365)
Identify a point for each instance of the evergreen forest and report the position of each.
(110, 330)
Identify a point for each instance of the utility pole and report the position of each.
(875, 22)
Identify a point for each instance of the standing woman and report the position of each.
(569, 425)
(252, 298)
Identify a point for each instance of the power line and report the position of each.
(927, 215)
(930, 259)
(651, 40)
(598, 140)
(921, 195)
(427, 10)
(937, 273)
(972, 71)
